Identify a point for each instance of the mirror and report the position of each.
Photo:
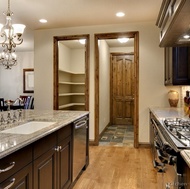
(71, 60)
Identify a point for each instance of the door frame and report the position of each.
(56, 63)
(135, 35)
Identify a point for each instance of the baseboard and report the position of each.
(93, 143)
(100, 135)
(144, 145)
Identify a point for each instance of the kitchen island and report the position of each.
(42, 158)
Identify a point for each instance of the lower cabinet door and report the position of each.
(64, 164)
(20, 180)
(45, 171)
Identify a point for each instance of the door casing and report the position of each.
(101, 36)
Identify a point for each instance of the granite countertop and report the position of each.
(10, 143)
(162, 113)
(186, 156)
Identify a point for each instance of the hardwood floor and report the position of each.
(118, 168)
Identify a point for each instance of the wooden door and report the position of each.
(122, 89)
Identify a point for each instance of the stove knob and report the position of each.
(172, 160)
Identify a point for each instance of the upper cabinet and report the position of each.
(174, 20)
(177, 66)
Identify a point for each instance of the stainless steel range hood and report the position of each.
(174, 22)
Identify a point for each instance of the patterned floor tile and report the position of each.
(120, 135)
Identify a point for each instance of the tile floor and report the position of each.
(118, 135)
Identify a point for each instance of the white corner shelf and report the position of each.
(70, 83)
(74, 73)
(70, 105)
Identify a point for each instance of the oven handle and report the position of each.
(156, 145)
(160, 135)
(161, 157)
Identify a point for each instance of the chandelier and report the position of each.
(10, 37)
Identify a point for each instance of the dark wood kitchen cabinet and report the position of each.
(52, 164)
(16, 172)
(44, 165)
(64, 157)
(20, 180)
(177, 66)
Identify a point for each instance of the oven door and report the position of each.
(165, 160)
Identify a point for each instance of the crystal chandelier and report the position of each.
(10, 37)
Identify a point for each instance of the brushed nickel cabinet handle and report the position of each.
(56, 148)
(11, 184)
(8, 168)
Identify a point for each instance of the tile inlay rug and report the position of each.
(118, 135)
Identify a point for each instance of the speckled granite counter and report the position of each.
(10, 143)
(186, 156)
(161, 113)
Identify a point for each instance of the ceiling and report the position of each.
(71, 13)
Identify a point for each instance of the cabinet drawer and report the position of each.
(20, 159)
(64, 132)
(43, 145)
(20, 180)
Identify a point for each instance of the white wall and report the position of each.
(152, 91)
(71, 59)
(64, 57)
(11, 81)
(78, 60)
(104, 85)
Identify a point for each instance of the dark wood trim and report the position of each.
(25, 90)
(55, 50)
(135, 35)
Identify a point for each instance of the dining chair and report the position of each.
(2, 104)
(26, 101)
(32, 103)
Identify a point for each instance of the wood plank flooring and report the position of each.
(118, 168)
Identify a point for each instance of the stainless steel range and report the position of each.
(168, 137)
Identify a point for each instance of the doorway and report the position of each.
(71, 72)
(131, 115)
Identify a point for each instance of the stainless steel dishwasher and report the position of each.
(80, 146)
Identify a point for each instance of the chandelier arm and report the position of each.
(5, 38)
(19, 40)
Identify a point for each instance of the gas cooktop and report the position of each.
(180, 129)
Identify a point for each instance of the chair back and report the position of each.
(32, 103)
(2, 104)
(26, 101)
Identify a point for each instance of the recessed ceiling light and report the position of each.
(120, 14)
(43, 20)
(82, 41)
(123, 39)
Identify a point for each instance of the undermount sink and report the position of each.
(29, 127)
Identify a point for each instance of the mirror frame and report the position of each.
(56, 84)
